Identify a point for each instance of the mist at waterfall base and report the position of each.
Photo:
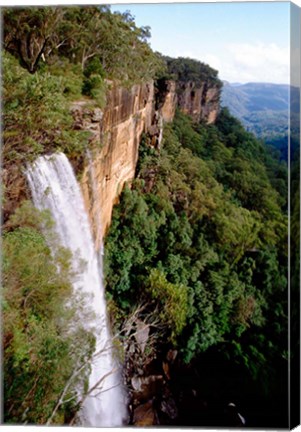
(54, 187)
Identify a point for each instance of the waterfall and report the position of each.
(54, 187)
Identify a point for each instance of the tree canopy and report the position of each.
(186, 69)
(47, 34)
(202, 220)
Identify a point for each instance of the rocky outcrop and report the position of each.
(166, 99)
(145, 415)
(150, 388)
(200, 102)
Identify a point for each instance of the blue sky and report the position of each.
(245, 42)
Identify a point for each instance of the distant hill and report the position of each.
(257, 96)
(263, 109)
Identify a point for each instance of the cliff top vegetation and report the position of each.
(47, 35)
(186, 69)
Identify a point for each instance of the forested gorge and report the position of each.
(196, 250)
(200, 238)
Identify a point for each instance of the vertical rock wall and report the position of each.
(128, 113)
(116, 132)
(166, 99)
(200, 102)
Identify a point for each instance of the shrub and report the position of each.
(171, 300)
(93, 82)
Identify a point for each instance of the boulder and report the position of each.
(145, 415)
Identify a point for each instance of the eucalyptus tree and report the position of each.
(29, 32)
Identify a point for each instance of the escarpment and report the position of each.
(117, 130)
(128, 113)
(199, 102)
(115, 134)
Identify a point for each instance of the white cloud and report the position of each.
(244, 62)
(241, 62)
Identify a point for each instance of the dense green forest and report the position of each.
(197, 247)
(200, 238)
(52, 34)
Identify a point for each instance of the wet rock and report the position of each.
(145, 415)
(97, 115)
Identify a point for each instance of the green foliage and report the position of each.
(36, 117)
(93, 83)
(27, 216)
(94, 66)
(171, 300)
(186, 69)
(42, 348)
(138, 242)
(202, 214)
(200, 238)
(55, 55)
(81, 34)
(30, 32)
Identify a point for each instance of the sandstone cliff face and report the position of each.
(128, 113)
(201, 103)
(166, 99)
(116, 132)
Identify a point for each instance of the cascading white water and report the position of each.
(54, 187)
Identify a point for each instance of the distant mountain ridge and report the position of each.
(244, 99)
(263, 108)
